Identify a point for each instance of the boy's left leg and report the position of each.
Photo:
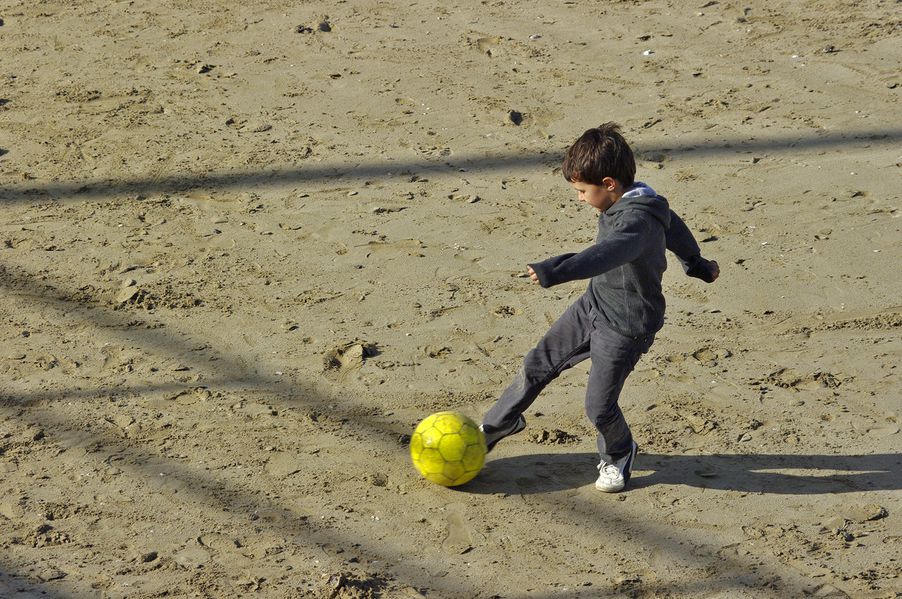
(614, 356)
(564, 345)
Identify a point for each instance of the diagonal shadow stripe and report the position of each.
(487, 164)
(227, 371)
(228, 498)
(203, 488)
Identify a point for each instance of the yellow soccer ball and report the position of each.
(447, 448)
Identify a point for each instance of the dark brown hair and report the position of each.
(599, 153)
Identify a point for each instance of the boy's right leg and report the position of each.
(565, 344)
(614, 357)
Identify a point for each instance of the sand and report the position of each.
(246, 247)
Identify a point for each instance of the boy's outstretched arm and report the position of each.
(681, 242)
(622, 246)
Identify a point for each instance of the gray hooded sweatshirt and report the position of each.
(625, 265)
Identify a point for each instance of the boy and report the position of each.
(615, 321)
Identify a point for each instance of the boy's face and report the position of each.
(601, 197)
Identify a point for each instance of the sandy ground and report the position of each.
(242, 256)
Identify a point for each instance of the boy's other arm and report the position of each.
(681, 242)
(627, 242)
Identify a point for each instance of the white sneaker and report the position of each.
(613, 477)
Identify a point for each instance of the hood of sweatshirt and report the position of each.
(642, 197)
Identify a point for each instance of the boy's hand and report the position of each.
(532, 274)
(706, 270)
(715, 270)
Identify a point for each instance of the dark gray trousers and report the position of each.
(578, 334)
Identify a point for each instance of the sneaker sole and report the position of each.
(610, 488)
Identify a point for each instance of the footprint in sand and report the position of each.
(459, 536)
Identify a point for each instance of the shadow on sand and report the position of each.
(753, 473)
(533, 474)
(309, 172)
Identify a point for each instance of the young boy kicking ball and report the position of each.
(614, 322)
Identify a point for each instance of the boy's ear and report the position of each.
(609, 183)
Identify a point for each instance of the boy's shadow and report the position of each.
(768, 473)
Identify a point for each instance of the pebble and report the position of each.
(515, 116)
(865, 513)
(126, 294)
(51, 573)
(386, 209)
(204, 68)
(325, 26)
(257, 127)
